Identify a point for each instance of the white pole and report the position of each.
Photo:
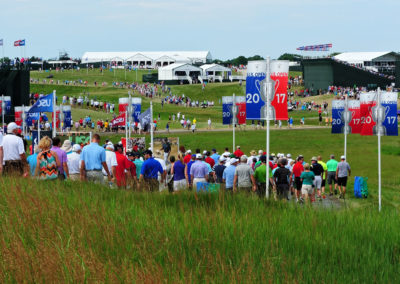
(378, 123)
(54, 114)
(126, 130)
(233, 121)
(130, 113)
(38, 129)
(151, 125)
(267, 93)
(125, 70)
(346, 123)
(23, 120)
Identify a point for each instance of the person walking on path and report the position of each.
(331, 177)
(318, 171)
(47, 161)
(324, 175)
(62, 157)
(149, 172)
(93, 160)
(178, 171)
(12, 152)
(283, 178)
(298, 169)
(342, 172)
(244, 177)
(307, 178)
(229, 174)
(199, 171)
(260, 176)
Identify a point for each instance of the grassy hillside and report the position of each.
(68, 232)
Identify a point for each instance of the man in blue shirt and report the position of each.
(215, 156)
(229, 174)
(149, 172)
(93, 160)
(187, 172)
(199, 171)
(32, 160)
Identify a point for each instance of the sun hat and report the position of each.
(243, 158)
(67, 146)
(314, 158)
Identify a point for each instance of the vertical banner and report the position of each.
(337, 116)
(241, 109)
(355, 122)
(36, 139)
(367, 102)
(227, 103)
(137, 108)
(31, 118)
(57, 117)
(255, 99)
(123, 105)
(18, 115)
(67, 116)
(389, 106)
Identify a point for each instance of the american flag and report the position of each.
(319, 47)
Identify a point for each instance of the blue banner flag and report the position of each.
(67, 117)
(136, 108)
(145, 119)
(227, 103)
(337, 116)
(30, 117)
(389, 104)
(43, 104)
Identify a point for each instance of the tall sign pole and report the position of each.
(151, 126)
(378, 132)
(268, 89)
(54, 114)
(346, 124)
(3, 106)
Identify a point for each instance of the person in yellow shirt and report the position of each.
(194, 120)
(106, 125)
(324, 174)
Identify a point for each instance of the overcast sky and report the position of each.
(226, 28)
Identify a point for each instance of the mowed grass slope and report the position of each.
(69, 232)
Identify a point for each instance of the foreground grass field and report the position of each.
(69, 232)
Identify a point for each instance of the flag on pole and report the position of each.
(145, 119)
(355, 121)
(318, 47)
(16, 43)
(337, 116)
(119, 120)
(22, 42)
(1, 42)
(43, 104)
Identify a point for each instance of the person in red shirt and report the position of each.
(297, 170)
(210, 160)
(123, 164)
(238, 153)
(188, 157)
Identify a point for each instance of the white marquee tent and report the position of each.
(179, 72)
(215, 72)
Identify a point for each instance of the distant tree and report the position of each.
(290, 57)
(34, 58)
(5, 60)
(255, 57)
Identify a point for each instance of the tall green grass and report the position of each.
(72, 232)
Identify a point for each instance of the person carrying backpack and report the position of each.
(47, 161)
(283, 178)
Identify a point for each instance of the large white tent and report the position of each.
(215, 72)
(384, 61)
(179, 72)
(148, 59)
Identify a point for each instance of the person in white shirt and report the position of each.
(111, 161)
(73, 162)
(14, 158)
(157, 157)
(209, 123)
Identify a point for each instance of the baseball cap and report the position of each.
(314, 159)
(289, 155)
(148, 152)
(205, 152)
(233, 160)
(222, 159)
(76, 147)
(198, 156)
(214, 150)
(263, 158)
(189, 151)
(243, 158)
(11, 127)
(238, 147)
(273, 155)
(343, 157)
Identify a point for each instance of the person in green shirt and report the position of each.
(324, 175)
(307, 178)
(331, 175)
(260, 176)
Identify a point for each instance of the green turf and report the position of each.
(54, 232)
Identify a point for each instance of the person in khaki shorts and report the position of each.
(307, 178)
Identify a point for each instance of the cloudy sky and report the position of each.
(226, 28)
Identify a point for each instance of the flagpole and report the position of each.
(346, 123)
(378, 123)
(130, 113)
(54, 114)
(23, 120)
(233, 122)
(40, 115)
(267, 94)
(3, 105)
(151, 126)
(126, 131)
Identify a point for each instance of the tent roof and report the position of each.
(214, 67)
(181, 56)
(360, 56)
(175, 66)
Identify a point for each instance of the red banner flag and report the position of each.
(367, 102)
(279, 73)
(355, 122)
(119, 120)
(241, 109)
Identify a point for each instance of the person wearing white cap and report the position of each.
(229, 174)
(111, 161)
(74, 162)
(219, 170)
(198, 171)
(342, 172)
(14, 158)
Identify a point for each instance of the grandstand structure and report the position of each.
(379, 62)
(147, 59)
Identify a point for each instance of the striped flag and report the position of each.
(1, 42)
(319, 47)
(20, 42)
